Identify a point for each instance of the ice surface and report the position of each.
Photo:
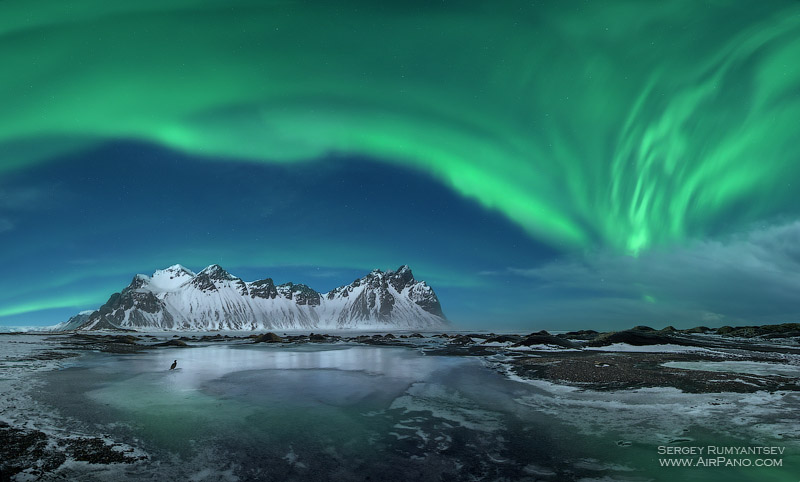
(539, 348)
(747, 367)
(667, 348)
(660, 415)
(448, 405)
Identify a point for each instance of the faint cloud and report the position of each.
(83, 261)
(25, 198)
(18, 199)
(709, 316)
(753, 277)
(324, 273)
(526, 272)
(6, 225)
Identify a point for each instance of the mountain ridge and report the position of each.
(176, 298)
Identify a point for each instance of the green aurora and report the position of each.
(621, 124)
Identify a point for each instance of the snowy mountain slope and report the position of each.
(175, 298)
(73, 323)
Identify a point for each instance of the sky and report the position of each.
(543, 165)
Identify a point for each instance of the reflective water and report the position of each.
(339, 412)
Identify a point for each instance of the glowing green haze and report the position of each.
(627, 123)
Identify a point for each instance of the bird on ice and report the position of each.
(174, 364)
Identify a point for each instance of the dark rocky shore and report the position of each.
(32, 450)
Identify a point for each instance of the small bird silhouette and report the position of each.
(174, 364)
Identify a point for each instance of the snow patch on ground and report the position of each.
(668, 348)
(21, 356)
(541, 348)
(660, 415)
(746, 367)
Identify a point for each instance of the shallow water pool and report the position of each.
(343, 412)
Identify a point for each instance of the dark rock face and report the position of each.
(264, 288)
(360, 308)
(698, 329)
(179, 343)
(144, 301)
(402, 278)
(503, 339)
(642, 336)
(207, 279)
(127, 339)
(268, 338)
(638, 338)
(431, 305)
(768, 331)
(217, 273)
(137, 283)
(545, 339)
(204, 283)
(387, 303)
(377, 295)
(305, 295)
(580, 335)
(132, 300)
(422, 294)
(461, 340)
(300, 293)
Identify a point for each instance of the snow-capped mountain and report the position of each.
(73, 323)
(175, 298)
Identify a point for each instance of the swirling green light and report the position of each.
(619, 123)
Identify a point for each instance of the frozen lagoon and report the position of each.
(340, 411)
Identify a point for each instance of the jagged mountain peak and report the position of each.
(263, 288)
(138, 281)
(216, 272)
(214, 277)
(402, 278)
(300, 293)
(179, 269)
(399, 279)
(171, 278)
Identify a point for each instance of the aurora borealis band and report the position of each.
(590, 133)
